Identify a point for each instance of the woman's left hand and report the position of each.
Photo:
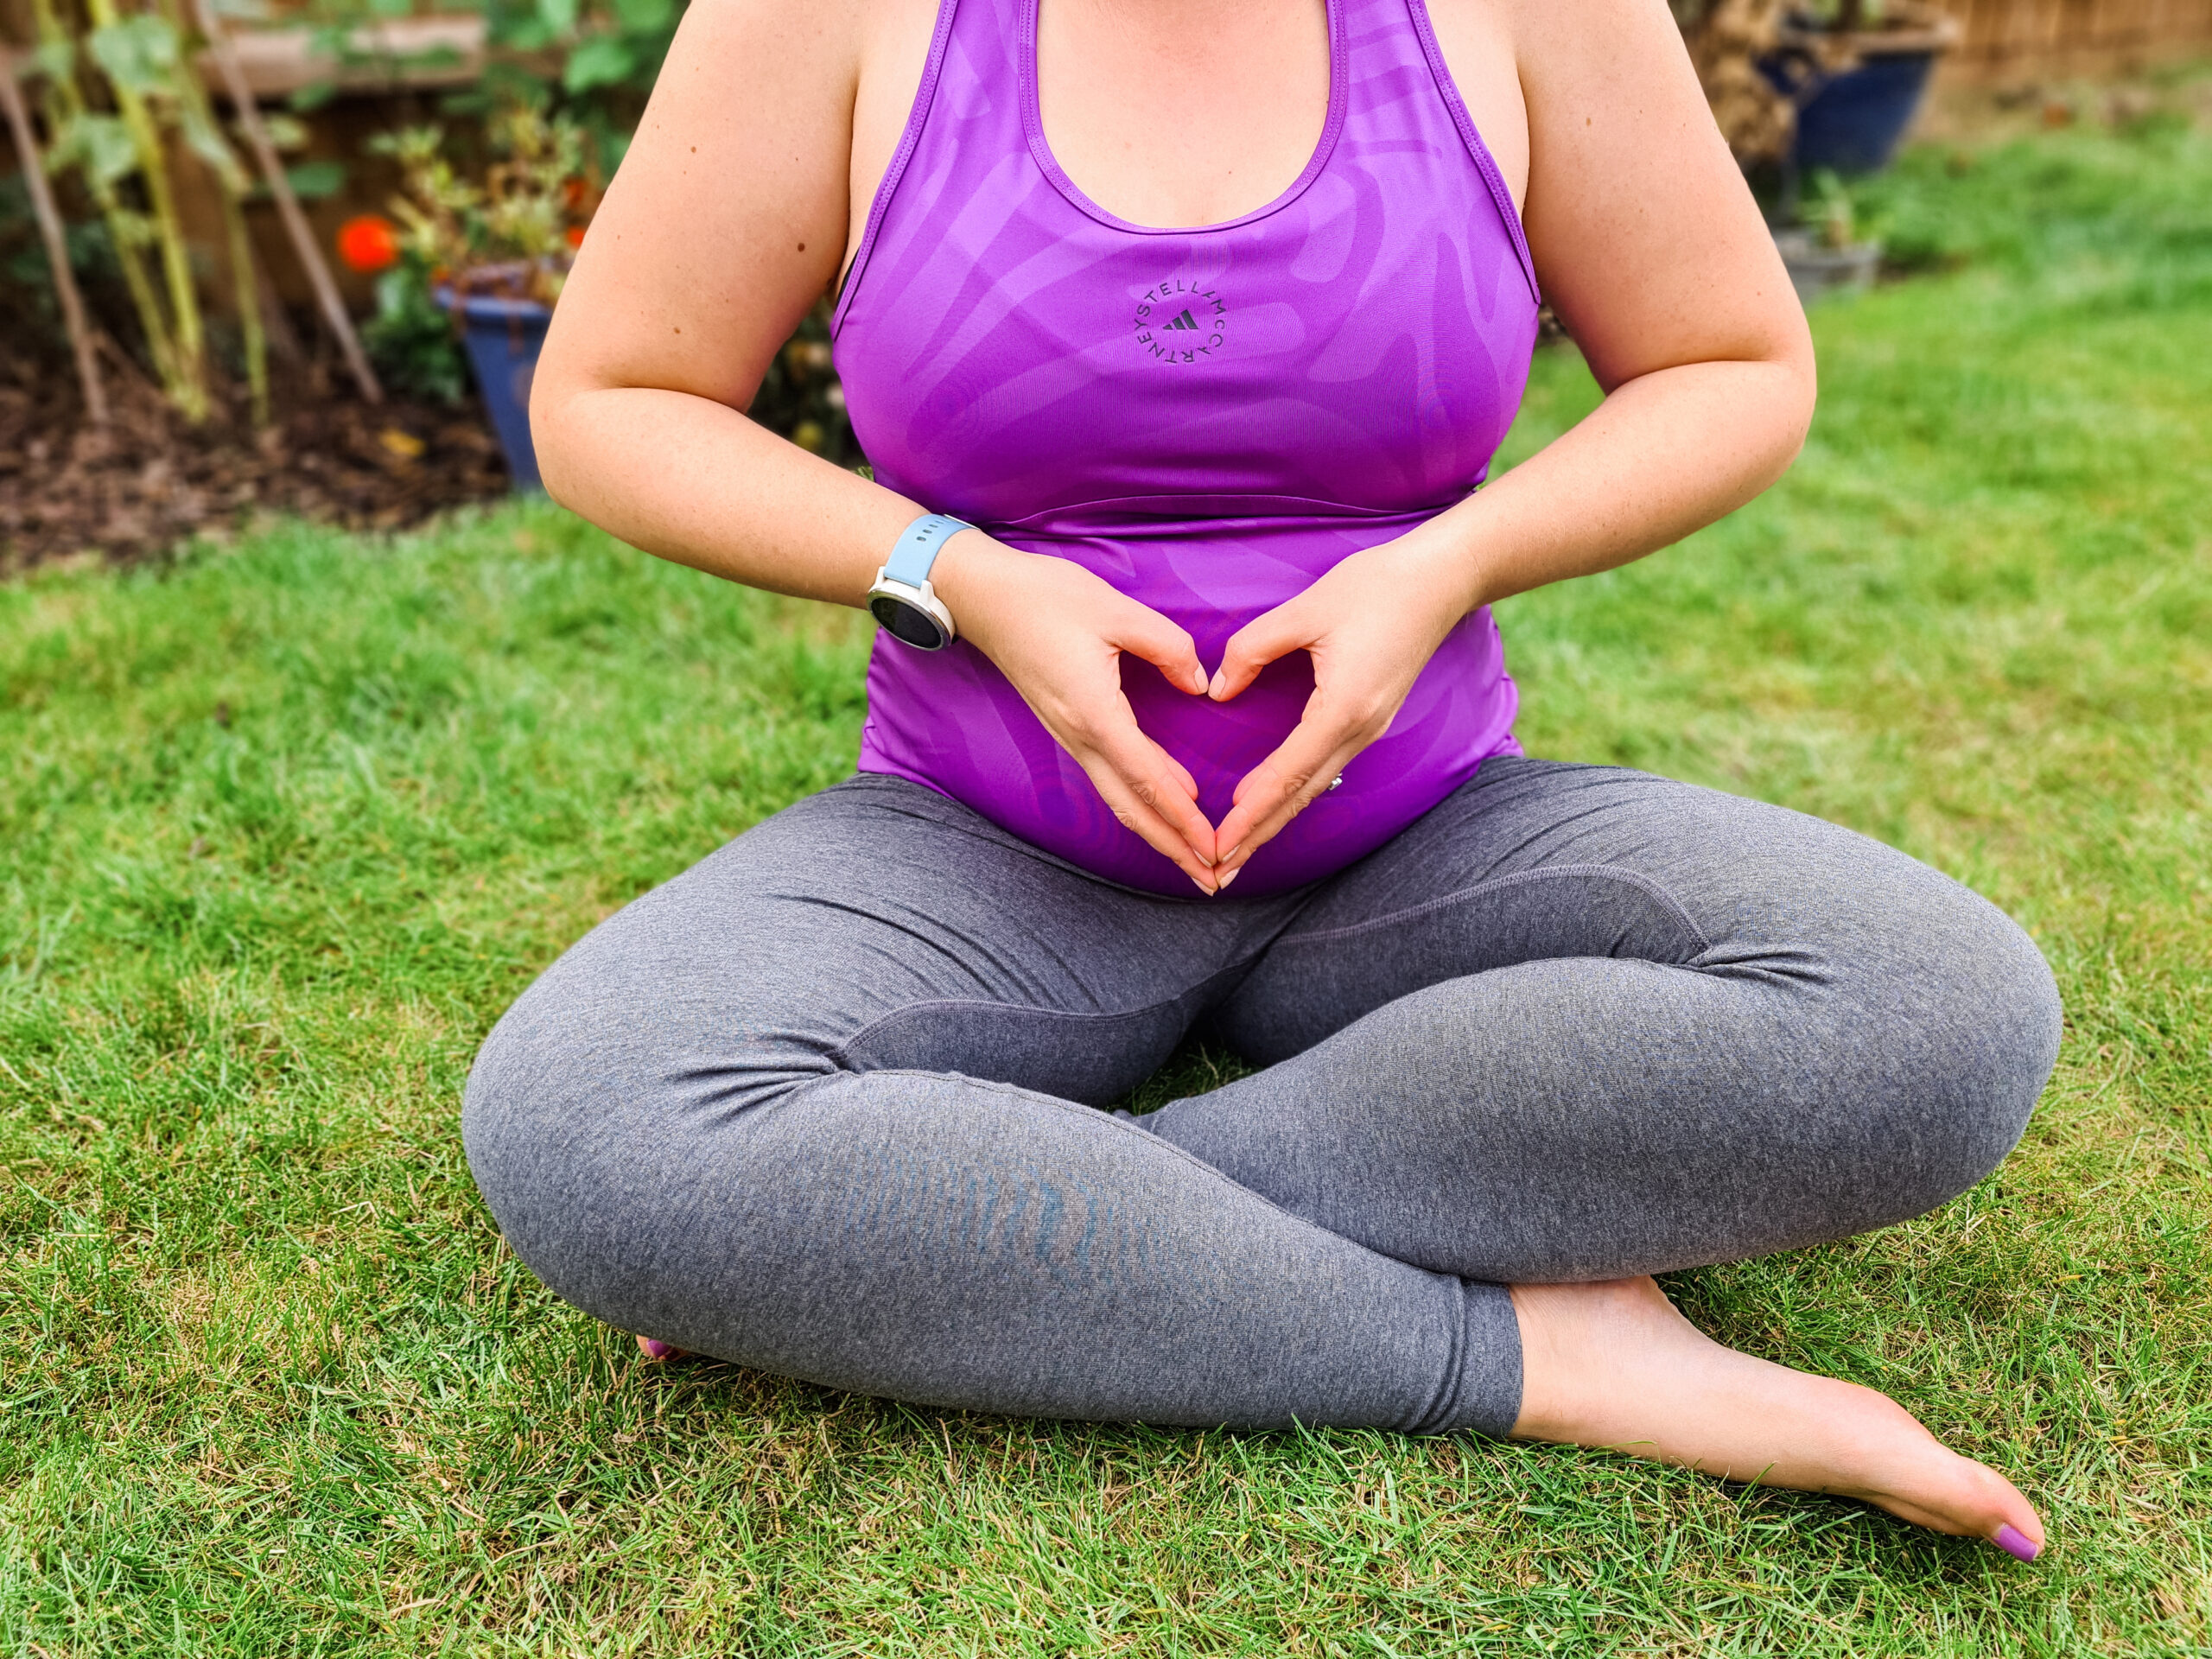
(1371, 626)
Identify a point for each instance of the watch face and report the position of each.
(908, 622)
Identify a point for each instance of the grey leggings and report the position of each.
(828, 1104)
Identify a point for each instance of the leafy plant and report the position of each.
(592, 60)
(609, 52)
(412, 341)
(1847, 16)
(514, 229)
(1726, 40)
(119, 84)
(1830, 212)
(510, 228)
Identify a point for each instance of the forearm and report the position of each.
(693, 481)
(1663, 455)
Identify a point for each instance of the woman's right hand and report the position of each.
(1057, 633)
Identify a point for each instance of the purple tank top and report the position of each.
(1209, 419)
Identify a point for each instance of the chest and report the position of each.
(1180, 112)
(1011, 347)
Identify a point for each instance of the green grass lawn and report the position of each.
(285, 827)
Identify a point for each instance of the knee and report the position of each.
(1976, 1023)
(562, 1123)
(520, 1117)
(595, 1113)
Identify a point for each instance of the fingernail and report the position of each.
(1231, 875)
(656, 1349)
(1213, 689)
(1198, 675)
(1202, 887)
(2013, 1542)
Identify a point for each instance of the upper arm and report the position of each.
(727, 217)
(1645, 237)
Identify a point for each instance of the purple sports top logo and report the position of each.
(1181, 322)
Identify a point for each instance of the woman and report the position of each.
(1211, 607)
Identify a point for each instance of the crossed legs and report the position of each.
(826, 1104)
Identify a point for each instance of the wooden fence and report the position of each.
(2014, 37)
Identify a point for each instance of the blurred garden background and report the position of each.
(316, 744)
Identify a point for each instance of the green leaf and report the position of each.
(602, 61)
(392, 8)
(312, 97)
(644, 16)
(316, 181)
(527, 36)
(98, 143)
(558, 16)
(201, 137)
(132, 228)
(55, 60)
(285, 132)
(140, 53)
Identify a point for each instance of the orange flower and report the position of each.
(575, 235)
(368, 243)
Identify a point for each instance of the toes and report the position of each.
(1975, 1502)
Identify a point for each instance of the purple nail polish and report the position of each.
(2013, 1542)
(656, 1349)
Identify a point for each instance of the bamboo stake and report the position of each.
(288, 205)
(190, 339)
(231, 184)
(57, 243)
(282, 340)
(249, 303)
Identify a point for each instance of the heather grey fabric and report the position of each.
(827, 1103)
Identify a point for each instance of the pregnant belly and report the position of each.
(950, 721)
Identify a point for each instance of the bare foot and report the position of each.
(654, 1349)
(1615, 1365)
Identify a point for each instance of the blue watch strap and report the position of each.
(916, 548)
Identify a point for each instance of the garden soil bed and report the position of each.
(155, 482)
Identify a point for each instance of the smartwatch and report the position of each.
(902, 599)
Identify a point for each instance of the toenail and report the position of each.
(2013, 1542)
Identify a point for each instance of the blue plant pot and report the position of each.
(1856, 120)
(503, 338)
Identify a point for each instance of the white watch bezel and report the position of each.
(922, 598)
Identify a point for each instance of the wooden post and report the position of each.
(57, 245)
(288, 205)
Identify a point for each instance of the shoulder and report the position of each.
(820, 33)
(1582, 43)
(1532, 70)
(745, 44)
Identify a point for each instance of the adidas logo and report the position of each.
(1184, 322)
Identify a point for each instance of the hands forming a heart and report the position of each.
(1056, 632)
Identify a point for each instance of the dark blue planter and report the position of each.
(1857, 119)
(504, 338)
